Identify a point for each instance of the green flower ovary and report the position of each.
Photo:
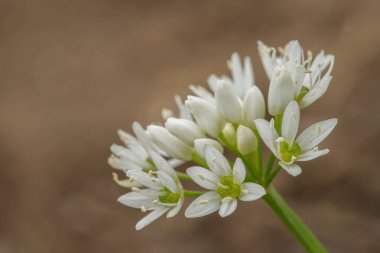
(167, 196)
(287, 152)
(228, 187)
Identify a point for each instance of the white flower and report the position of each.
(163, 192)
(288, 149)
(310, 77)
(169, 143)
(228, 103)
(225, 185)
(201, 144)
(253, 106)
(184, 129)
(205, 115)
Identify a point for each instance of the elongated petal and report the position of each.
(162, 164)
(246, 140)
(315, 134)
(126, 154)
(135, 200)
(251, 191)
(310, 155)
(281, 91)
(217, 162)
(200, 145)
(183, 110)
(267, 134)
(122, 164)
(206, 115)
(184, 129)
(168, 181)
(229, 133)
(227, 208)
(169, 143)
(205, 204)
(290, 122)
(143, 137)
(174, 211)
(203, 177)
(144, 179)
(268, 58)
(239, 170)
(227, 103)
(237, 73)
(253, 106)
(152, 216)
(249, 76)
(292, 169)
(202, 93)
(316, 92)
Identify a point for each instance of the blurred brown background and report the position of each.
(73, 72)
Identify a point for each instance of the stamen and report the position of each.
(316, 148)
(280, 139)
(155, 201)
(213, 159)
(227, 199)
(318, 128)
(205, 201)
(200, 176)
(143, 209)
(222, 185)
(294, 116)
(135, 189)
(244, 191)
(154, 179)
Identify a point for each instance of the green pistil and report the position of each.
(168, 197)
(228, 187)
(287, 152)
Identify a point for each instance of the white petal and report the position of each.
(229, 133)
(268, 134)
(175, 163)
(183, 111)
(281, 91)
(251, 191)
(292, 169)
(316, 92)
(184, 129)
(217, 162)
(135, 200)
(162, 164)
(246, 140)
(227, 208)
(168, 181)
(122, 164)
(206, 115)
(310, 155)
(227, 103)
(202, 93)
(169, 143)
(152, 216)
(253, 106)
(205, 204)
(239, 170)
(237, 73)
(126, 154)
(174, 211)
(200, 145)
(268, 58)
(144, 179)
(249, 76)
(203, 177)
(290, 122)
(315, 134)
(213, 81)
(142, 136)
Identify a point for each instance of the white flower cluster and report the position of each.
(230, 117)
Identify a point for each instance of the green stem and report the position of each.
(259, 154)
(271, 160)
(192, 193)
(183, 176)
(273, 175)
(293, 222)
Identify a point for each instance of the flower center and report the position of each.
(288, 152)
(228, 187)
(167, 196)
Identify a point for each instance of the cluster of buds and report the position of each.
(229, 117)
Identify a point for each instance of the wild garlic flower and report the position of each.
(288, 149)
(163, 192)
(226, 185)
(293, 77)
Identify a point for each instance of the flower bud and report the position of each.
(185, 130)
(253, 106)
(227, 103)
(281, 91)
(246, 140)
(200, 145)
(206, 115)
(169, 143)
(229, 133)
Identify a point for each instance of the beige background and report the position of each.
(72, 72)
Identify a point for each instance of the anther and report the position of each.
(205, 201)
(135, 189)
(143, 209)
(227, 199)
(280, 139)
(318, 128)
(155, 201)
(222, 185)
(294, 117)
